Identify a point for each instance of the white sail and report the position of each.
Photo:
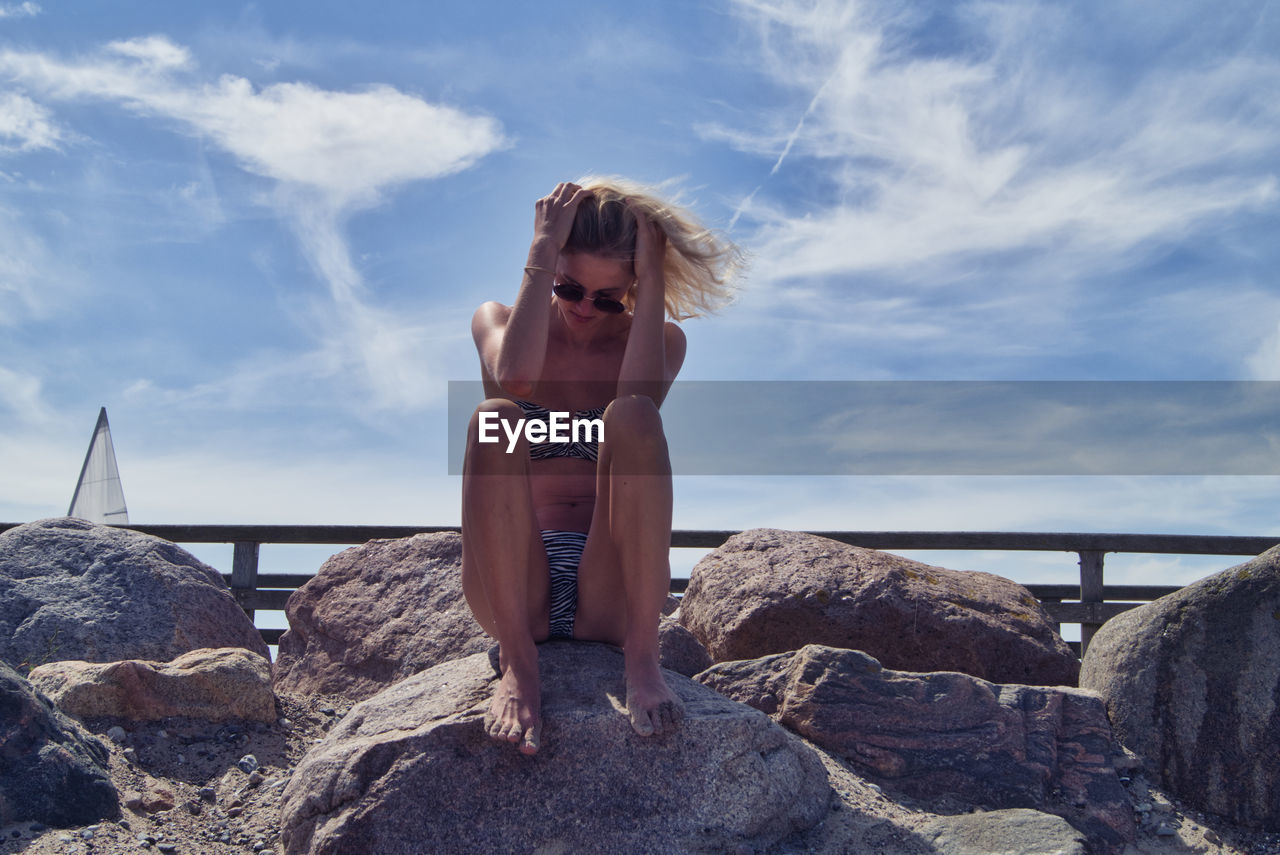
(99, 497)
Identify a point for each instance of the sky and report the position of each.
(256, 233)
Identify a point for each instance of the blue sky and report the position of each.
(256, 234)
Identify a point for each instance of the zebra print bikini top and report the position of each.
(588, 450)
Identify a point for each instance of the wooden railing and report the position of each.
(1089, 604)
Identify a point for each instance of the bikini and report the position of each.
(542, 450)
(564, 548)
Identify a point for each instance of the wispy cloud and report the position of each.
(329, 153)
(1015, 154)
(20, 10)
(25, 125)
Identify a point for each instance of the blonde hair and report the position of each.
(700, 266)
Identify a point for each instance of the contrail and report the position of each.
(786, 149)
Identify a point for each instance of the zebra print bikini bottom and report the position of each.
(564, 552)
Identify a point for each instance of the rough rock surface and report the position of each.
(226, 684)
(767, 591)
(1192, 684)
(50, 770)
(998, 746)
(1016, 831)
(411, 770)
(70, 589)
(679, 650)
(375, 614)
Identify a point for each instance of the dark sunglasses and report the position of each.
(573, 292)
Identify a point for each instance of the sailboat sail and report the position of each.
(99, 497)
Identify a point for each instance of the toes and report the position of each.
(641, 723)
(532, 740)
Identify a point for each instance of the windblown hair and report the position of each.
(700, 266)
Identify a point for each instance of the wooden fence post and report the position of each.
(1090, 591)
(244, 571)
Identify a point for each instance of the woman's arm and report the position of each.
(655, 349)
(513, 342)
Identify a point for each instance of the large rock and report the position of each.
(70, 589)
(1192, 683)
(937, 734)
(388, 609)
(766, 591)
(375, 614)
(411, 770)
(212, 685)
(51, 771)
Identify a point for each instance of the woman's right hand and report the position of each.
(553, 217)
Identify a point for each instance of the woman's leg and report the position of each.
(625, 574)
(504, 574)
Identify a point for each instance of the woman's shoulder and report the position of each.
(490, 314)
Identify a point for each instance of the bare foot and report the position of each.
(515, 713)
(651, 705)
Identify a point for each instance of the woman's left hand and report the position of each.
(651, 250)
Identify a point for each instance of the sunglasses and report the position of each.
(573, 292)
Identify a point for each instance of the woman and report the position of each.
(570, 539)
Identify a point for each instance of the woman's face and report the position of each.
(599, 276)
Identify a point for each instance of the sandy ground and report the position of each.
(187, 793)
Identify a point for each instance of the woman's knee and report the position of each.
(634, 420)
(486, 423)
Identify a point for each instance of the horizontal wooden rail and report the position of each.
(1090, 604)
(1000, 541)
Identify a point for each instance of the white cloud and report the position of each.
(931, 158)
(22, 10)
(154, 51)
(349, 145)
(25, 125)
(330, 153)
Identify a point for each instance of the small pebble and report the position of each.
(248, 763)
(328, 711)
(131, 756)
(162, 734)
(234, 812)
(209, 794)
(1212, 837)
(1166, 830)
(117, 735)
(255, 778)
(87, 834)
(167, 848)
(285, 723)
